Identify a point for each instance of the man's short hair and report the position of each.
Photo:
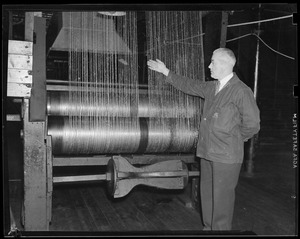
(227, 55)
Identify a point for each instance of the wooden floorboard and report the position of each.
(192, 222)
(183, 218)
(263, 213)
(266, 204)
(131, 217)
(145, 205)
(99, 219)
(140, 216)
(82, 211)
(64, 215)
(89, 208)
(159, 207)
(105, 206)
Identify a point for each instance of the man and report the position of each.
(230, 117)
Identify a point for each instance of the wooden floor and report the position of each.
(266, 204)
(81, 208)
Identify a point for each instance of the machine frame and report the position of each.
(27, 81)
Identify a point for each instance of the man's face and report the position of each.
(217, 66)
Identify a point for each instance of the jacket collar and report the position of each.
(234, 79)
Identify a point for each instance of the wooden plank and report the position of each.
(105, 206)
(192, 218)
(146, 207)
(179, 216)
(19, 76)
(132, 219)
(21, 62)
(85, 218)
(133, 159)
(64, 216)
(260, 208)
(144, 222)
(187, 218)
(20, 47)
(18, 90)
(158, 207)
(79, 161)
(151, 159)
(127, 214)
(92, 206)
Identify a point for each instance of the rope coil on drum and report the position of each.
(117, 135)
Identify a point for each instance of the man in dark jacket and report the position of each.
(230, 117)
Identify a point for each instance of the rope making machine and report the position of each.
(104, 114)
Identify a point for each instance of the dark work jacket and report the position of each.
(229, 118)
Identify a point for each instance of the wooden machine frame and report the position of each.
(26, 81)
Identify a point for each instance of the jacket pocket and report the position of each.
(220, 142)
(224, 118)
(223, 121)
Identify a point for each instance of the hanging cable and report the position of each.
(181, 40)
(272, 48)
(266, 20)
(292, 58)
(249, 34)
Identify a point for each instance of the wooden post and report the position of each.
(36, 214)
(224, 29)
(29, 18)
(38, 91)
(249, 164)
(35, 170)
(29, 24)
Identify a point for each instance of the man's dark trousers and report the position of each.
(217, 190)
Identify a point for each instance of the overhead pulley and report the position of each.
(122, 177)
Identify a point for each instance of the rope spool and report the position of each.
(60, 104)
(122, 136)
